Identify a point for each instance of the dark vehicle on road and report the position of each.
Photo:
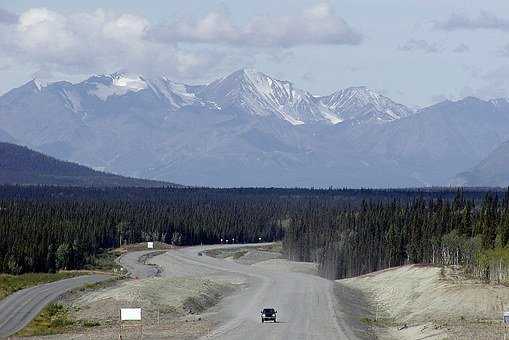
(268, 314)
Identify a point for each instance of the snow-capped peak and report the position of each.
(364, 104)
(129, 81)
(257, 94)
(39, 84)
(116, 84)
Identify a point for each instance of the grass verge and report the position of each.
(104, 261)
(12, 283)
(54, 319)
(237, 253)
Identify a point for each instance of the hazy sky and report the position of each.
(416, 51)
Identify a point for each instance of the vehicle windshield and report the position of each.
(268, 311)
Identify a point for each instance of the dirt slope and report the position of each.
(433, 303)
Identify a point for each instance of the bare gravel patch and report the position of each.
(413, 302)
(166, 297)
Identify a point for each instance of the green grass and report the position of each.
(105, 261)
(214, 252)
(237, 253)
(99, 285)
(12, 283)
(54, 319)
(91, 323)
(276, 247)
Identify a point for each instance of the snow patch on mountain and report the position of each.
(290, 119)
(254, 93)
(364, 104)
(132, 83)
(39, 84)
(245, 92)
(177, 94)
(117, 84)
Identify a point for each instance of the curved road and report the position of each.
(18, 309)
(136, 267)
(305, 303)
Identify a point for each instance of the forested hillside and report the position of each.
(20, 165)
(348, 232)
(379, 235)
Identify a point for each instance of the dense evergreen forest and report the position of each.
(378, 235)
(348, 232)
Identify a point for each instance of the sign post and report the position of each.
(150, 245)
(130, 315)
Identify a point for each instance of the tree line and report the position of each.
(378, 235)
(348, 232)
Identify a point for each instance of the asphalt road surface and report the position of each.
(305, 303)
(18, 309)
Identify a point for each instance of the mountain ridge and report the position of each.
(490, 172)
(249, 129)
(245, 89)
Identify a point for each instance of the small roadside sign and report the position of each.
(130, 314)
(150, 245)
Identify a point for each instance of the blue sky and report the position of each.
(417, 52)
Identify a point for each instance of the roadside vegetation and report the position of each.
(379, 235)
(12, 283)
(54, 319)
(103, 261)
(237, 252)
(223, 253)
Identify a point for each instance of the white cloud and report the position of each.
(215, 27)
(318, 25)
(101, 42)
(97, 42)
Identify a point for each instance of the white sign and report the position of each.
(130, 314)
(150, 245)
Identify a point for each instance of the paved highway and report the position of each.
(305, 303)
(18, 309)
(307, 308)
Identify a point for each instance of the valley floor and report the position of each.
(198, 296)
(420, 302)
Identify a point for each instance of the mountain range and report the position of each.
(250, 129)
